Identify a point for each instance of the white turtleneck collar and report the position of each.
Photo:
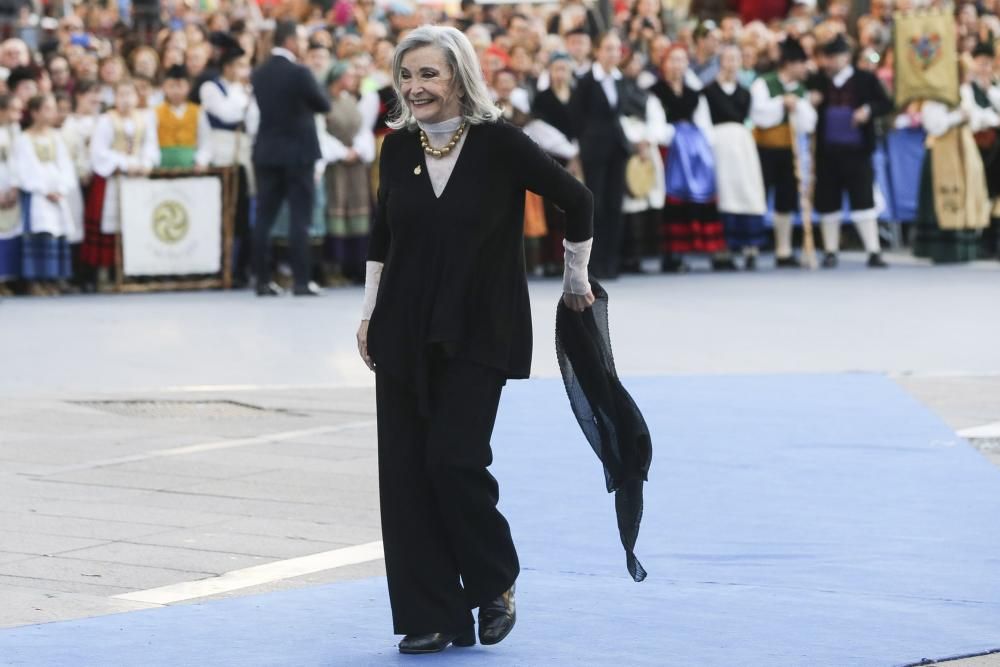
(444, 127)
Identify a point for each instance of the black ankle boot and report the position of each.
(435, 642)
(496, 619)
(875, 261)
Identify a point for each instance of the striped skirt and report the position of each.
(45, 257)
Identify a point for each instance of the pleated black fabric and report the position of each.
(610, 419)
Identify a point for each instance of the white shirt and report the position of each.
(842, 76)
(767, 111)
(607, 81)
(284, 53)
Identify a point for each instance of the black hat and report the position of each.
(792, 51)
(222, 40)
(19, 74)
(836, 46)
(984, 49)
(229, 54)
(176, 72)
(577, 31)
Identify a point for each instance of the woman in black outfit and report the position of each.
(446, 322)
(552, 106)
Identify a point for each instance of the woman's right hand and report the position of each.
(363, 345)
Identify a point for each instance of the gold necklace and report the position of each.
(444, 150)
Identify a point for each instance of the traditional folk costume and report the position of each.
(11, 225)
(119, 143)
(691, 221)
(844, 155)
(179, 138)
(43, 167)
(774, 137)
(983, 101)
(742, 202)
(76, 134)
(954, 202)
(348, 197)
(549, 108)
(228, 120)
(644, 121)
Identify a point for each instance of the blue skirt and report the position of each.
(744, 231)
(10, 258)
(690, 166)
(45, 257)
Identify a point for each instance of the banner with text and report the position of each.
(172, 227)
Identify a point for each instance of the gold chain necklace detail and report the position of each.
(447, 148)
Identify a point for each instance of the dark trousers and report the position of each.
(778, 168)
(605, 177)
(276, 184)
(844, 170)
(447, 548)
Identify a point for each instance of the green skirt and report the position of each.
(941, 246)
(317, 226)
(177, 157)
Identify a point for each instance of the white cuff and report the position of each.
(373, 274)
(577, 256)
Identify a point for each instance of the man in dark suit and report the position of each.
(604, 151)
(285, 153)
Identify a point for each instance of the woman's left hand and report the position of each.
(578, 302)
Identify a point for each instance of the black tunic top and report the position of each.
(862, 88)
(727, 108)
(549, 108)
(454, 264)
(678, 107)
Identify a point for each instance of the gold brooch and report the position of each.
(416, 170)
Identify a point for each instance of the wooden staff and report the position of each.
(119, 257)
(805, 194)
(230, 204)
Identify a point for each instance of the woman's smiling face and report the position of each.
(427, 84)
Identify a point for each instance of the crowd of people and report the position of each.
(702, 130)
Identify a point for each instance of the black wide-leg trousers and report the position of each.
(448, 549)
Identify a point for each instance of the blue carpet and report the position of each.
(790, 520)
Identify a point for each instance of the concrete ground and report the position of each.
(149, 440)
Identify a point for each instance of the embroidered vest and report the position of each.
(779, 136)
(121, 141)
(174, 131)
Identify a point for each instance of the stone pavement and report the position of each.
(147, 440)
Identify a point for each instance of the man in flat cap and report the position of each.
(777, 102)
(849, 102)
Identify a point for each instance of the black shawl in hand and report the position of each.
(609, 417)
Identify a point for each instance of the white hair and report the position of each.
(477, 102)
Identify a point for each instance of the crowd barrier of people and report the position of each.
(702, 130)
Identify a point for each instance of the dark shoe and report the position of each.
(436, 642)
(631, 266)
(270, 289)
(875, 261)
(750, 264)
(724, 265)
(790, 262)
(829, 261)
(309, 289)
(496, 619)
(673, 265)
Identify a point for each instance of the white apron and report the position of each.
(739, 181)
